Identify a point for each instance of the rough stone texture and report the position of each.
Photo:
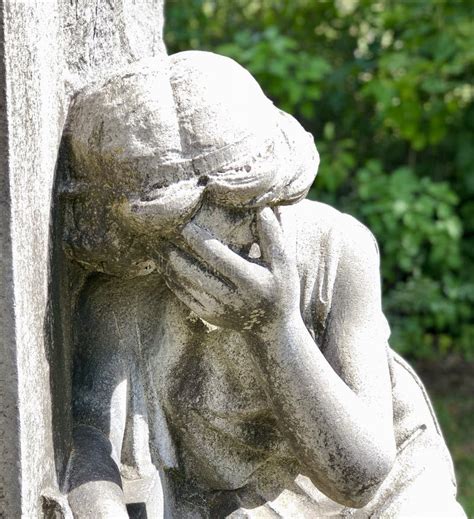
(228, 332)
(49, 50)
(9, 439)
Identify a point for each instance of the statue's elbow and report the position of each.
(355, 483)
(362, 483)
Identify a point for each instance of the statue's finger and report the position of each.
(195, 275)
(224, 260)
(271, 238)
(185, 296)
(202, 303)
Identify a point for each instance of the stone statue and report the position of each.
(229, 334)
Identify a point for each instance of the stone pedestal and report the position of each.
(49, 50)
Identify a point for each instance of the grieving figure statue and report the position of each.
(229, 334)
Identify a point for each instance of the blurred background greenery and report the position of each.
(386, 87)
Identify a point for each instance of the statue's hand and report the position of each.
(229, 291)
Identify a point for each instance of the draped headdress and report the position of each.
(150, 143)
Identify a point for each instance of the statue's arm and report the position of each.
(99, 409)
(334, 401)
(334, 407)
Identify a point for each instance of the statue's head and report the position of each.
(152, 144)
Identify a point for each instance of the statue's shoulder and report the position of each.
(314, 217)
(317, 224)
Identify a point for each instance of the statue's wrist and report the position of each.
(279, 327)
(274, 341)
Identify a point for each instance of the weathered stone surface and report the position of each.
(229, 333)
(49, 49)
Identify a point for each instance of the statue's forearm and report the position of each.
(332, 430)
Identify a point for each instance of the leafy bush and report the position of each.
(273, 58)
(386, 88)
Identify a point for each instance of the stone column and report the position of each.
(49, 49)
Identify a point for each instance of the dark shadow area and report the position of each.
(58, 331)
(66, 280)
(137, 511)
(51, 509)
(92, 450)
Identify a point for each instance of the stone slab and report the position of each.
(48, 50)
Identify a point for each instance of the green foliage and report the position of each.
(423, 292)
(386, 88)
(273, 58)
(456, 416)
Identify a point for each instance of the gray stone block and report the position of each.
(48, 50)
